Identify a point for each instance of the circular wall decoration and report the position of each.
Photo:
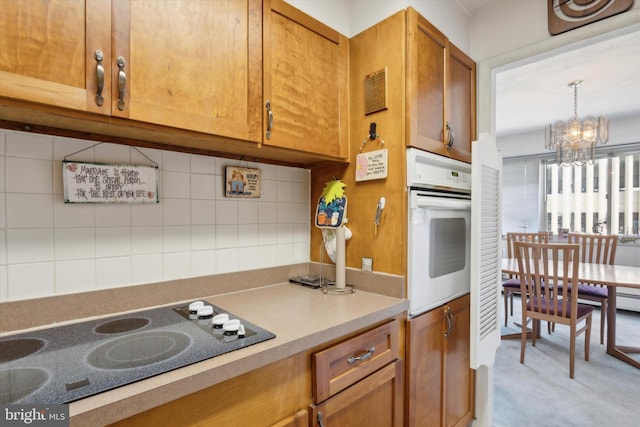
(565, 15)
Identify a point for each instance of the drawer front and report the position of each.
(344, 364)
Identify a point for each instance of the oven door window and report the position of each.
(447, 251)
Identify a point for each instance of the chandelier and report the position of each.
(575, 140)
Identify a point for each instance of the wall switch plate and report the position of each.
(367, 264)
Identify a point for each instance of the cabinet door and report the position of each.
(375, 401)
(426, 79)
(440, 93)
(424, 369)
(193, 65)
(458, 376)
(47, 52)
(462, 102)
(305, 82)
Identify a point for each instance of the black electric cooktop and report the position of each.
(65, 363)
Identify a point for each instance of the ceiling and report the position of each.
(530, 96)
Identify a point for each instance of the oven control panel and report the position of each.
(428, 170)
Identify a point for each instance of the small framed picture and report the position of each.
(242, 182)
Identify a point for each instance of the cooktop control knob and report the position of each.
(205, 314)
(231, 327)
(193, 309)
(219, 320)
(241, 331)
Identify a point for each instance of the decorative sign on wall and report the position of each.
(372, 165)
(565, 15)
(109, 183)
(375, 91)
(242, 182)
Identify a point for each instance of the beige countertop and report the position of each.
(301, 318)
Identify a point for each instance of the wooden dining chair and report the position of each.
(541, 266)
(595, 249)
(511, 285)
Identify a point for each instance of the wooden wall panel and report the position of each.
(374, 49)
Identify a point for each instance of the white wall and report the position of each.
(622, 130)
(48, 247)
(351, 17)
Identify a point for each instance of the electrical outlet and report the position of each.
(367, 264)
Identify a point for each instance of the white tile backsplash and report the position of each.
(113, 272)
(29, 210)
(203, 212)
(29, 245)
(72, 215)
(29, 145)
(113, 241)
(147, 214)
(29, 175)
(146, 239)
(75, 243)
(75, 276)
(32, 280)
(226, 236)
(203, 186)
(48, 247)
(203, 263)
(176, 238)
(176, 265)
(175, 185)
(226, 260)
(203, 237)
(146, 268)
(3, 283)
(203, 165)
(116, 215)
(176, 211)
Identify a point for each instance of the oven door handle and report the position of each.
(438, 203)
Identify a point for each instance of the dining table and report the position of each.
(611, 276)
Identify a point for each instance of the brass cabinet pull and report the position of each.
(450, 138)
(270, 120)
(99, 77)
(450, 322)
(365, 356)
(122, 82)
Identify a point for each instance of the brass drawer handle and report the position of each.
(270, 118)
(365, 356)
(99, 77)
(450, 322)
(122, 82)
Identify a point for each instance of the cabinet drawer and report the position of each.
(344, 364)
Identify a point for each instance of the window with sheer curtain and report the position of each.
(602, 197)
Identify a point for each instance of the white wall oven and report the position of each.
(439, 230)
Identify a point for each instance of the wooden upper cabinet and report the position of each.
(47, 52)
(305, 82)
(440, 92)
(193, 65)
(462, 102)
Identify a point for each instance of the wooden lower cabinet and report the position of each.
(299, 419)
(372, 402)
(358, 382)
(264, 397)
(439, 382)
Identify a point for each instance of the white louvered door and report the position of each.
(486, 168)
